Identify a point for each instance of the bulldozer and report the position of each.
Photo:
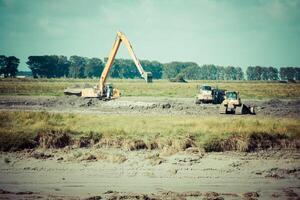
(104, 90)
(208, 94)
(232, 104)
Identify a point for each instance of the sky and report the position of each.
(222, 32)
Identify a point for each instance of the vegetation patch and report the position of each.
(23, 130)
(159, 88)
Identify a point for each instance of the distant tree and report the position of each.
(258, 72)
(48, 66)
(192, 72)
(220, 73)
(62, 66)
(155, 67)
(171, 70)
(230, 73)
(77, 65)
(272, 73)
(250, 73)
(93, 67)
(209, 72)
(297, 73)
(239, 73)
(264, 73)
(254, 73)
(287, 73)
(3, 62)
(9, 66)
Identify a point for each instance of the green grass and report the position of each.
(17, 127)
(159, 88)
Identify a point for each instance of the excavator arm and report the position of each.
(121, 38)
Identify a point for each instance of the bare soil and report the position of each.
(142, 105)
(107, 173)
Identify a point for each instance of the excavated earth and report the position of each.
(113, 173)
(142, 105)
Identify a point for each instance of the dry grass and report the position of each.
(24, 129)
(162, 88)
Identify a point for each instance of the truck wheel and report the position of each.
(239, 110)
(223, 109)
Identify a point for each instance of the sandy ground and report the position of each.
(120, 174)
(142, 105)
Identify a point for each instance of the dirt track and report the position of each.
(142, 105)
(149, 175)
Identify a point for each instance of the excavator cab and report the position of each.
(232, 95)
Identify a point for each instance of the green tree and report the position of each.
(93, 67)
(209, 72)
(273, 73)
(297, 73)
(9, 65)
(239, 73)
(264, 73)
(172, 69)
(287, 73)
(49, 66)
(3, 62)
(192, 72)
(230, 73)
(220, 73)
(62, 66)
(77, 65)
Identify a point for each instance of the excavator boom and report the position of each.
(121, 38)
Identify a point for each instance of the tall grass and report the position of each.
(21, 125)
(159, 88)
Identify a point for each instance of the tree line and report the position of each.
(191, 71)
(272, 73)
(54, 66)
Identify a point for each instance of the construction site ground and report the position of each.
(142, 105)
(113, 173)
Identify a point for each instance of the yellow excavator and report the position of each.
(106, 91)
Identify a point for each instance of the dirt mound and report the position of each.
(250, 195)
(178, 79)
(41, 155)
(252, 142)
(273, 102)
(15, 141)
(53, 139)
(158, 196)
(136, 145)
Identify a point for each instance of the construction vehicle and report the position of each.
(106, 91)
(232, 104)
(208, 94)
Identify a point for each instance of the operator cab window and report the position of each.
(205, 87)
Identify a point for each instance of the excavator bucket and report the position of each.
(72, 91)
(148, 77)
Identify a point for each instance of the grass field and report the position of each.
(164, 88)
(17, 127)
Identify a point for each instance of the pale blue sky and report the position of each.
(228, 32)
